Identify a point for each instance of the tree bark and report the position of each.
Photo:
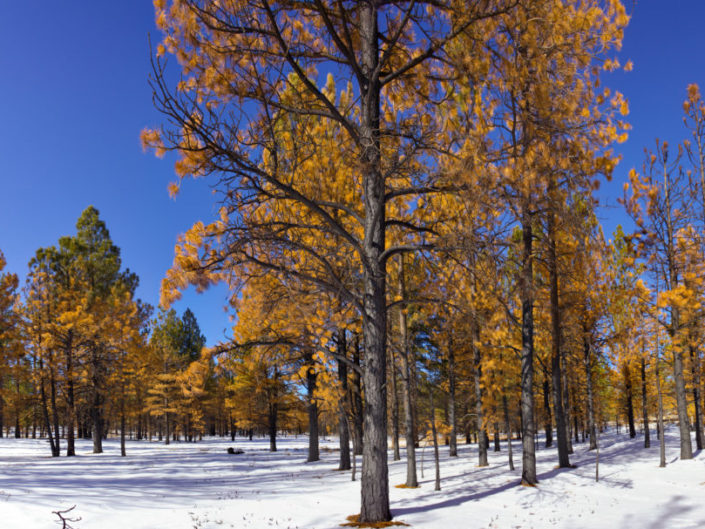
(644, 407)
(451, 401)
(394, 405)
(528, 472)
(556, 347)
(547, 419)
(661, 436)
(357, 401)
(375, 477)
(508, 428)
(435, 444)
(407, 391)
(697, 402)
(70, 397)
(587, 363)
(343, 430)
(313, 452)
(630, 402)
(479, 417)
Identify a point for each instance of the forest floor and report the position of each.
(200, 486)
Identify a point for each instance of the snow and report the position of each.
(200, 486)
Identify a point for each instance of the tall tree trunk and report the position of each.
(644, 407)
(508, 428)
(661, 436)
(70, 396)
(18, 403)
(53, 442)
(435, 443)
(343, 429)
(273, 425)
(587, 363)
(96, 405)
(54, 411)
(675, 329)
(630, 401)
(407, 385)
(528, 472)
(556, 347)
(451, 401)
(313, 452)
(497, 447)
(357, 401)
(695, 370)
(682, 404)
(547, 419)
(375, 477)
(567, 412)
(394, 405)
(167, 428)
(123, 452)
(479, 417)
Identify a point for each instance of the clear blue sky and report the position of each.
(74, 97)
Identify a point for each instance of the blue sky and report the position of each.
(74, 97)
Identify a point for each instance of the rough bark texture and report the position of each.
(644, 407)
(587, 363)
(313, 452)
(407, 389)
(394, 406)
(695, 370)
(272, 426)
(357, 401)
(547, 419)
(482, 432)
(435, 445)
(375, 477)
(662, 438)
(556, 347)
(630, 401)
(343, 429)
(508, 428)
(528, 458)
(451, 402)
(70, 397)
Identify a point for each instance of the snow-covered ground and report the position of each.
(200, 486)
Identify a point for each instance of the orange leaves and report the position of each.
(151, 139)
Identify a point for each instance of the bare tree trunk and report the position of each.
(528, 473)
(435, 443)
(343, 430)
(662, 437)
(556, 348)
(508, 427)
(644, 407)
(587, 363)
(357, 401)
(682, 404)
(695, 370)
(54, 412)
(394, 405)
(630, 403)
(273, 425)
(53, 442)
(479, 416)
(451, 401)
(407, 388)
(547, 419)
(123, 452)
(566, 403)
(70, 397)
(313, 453)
